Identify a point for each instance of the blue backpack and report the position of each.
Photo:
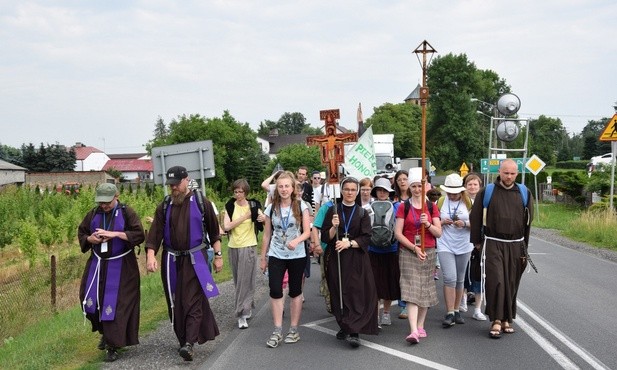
(488, 194)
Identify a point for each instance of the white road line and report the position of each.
(586, 356)
(559, 357)
(405, 356)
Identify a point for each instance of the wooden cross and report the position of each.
(331, 144)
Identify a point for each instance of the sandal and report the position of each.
(495, 331)
(274, 340)
(507, 328)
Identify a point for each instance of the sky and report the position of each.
(102, 72)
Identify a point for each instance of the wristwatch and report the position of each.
(219, 253)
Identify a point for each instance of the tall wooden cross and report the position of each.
(332, 148)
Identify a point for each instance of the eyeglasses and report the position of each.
(238, 191)
(316, 178)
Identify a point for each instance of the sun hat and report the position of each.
(453, 184)
(105, 193)
(382, 183)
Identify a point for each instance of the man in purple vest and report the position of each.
(186, 230)
(109, 291)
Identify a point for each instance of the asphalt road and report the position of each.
(566, 319)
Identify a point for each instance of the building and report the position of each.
(89, 158)
(11, 174)
(414, 96)
(134, 167)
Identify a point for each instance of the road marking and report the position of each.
(405, 356)
(586, 356)
(559, 357)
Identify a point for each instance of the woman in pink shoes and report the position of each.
(417, 285)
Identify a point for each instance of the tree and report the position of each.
(161, 133)
(11, 155)
(287, 124)
(591, 145)
(236, 152)
(50, 158)
(454, 132)
(547, 137)
(295, 155)
(404, 121)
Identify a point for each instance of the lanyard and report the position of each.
(453, 214)
(346, 223)
(413, 214)
(284, 221)
(105, 225)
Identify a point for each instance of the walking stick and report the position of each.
(338, 258)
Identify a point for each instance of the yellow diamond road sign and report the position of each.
(610, 131)
(535, 164)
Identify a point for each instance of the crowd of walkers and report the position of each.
(384, 233)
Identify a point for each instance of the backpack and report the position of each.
(488, 194)
(254, 206)
(383, 224)
(429, 204)
(200, 204)
(443, 198)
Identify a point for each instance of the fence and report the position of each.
(29, 294)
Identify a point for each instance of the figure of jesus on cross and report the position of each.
(331, 145)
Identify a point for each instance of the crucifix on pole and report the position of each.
(332, 148)
(424, 48)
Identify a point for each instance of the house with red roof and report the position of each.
(89, 158)
(135, 167)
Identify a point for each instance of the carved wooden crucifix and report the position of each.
(332, 148)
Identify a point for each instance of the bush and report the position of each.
(572, 165)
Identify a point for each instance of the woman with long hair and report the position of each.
(286, 227)
(402, 192)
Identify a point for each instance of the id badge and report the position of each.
(104, 247)
(417, 239)
(345, 239)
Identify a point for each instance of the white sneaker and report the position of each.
(463, 306)
(385, 319)
(242, 324)
(479, 316)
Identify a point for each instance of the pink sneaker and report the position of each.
(422, 333)
(413, 338)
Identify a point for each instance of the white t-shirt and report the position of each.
(454, 239)
(283, 230)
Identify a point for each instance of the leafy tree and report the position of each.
(295, 155)
(591, 145)
(404, 121)
(547, 137)
(454, 131)
(287, 124)
(11, 155)
(50, 158)
(236, 152)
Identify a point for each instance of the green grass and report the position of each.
(594, 227)
(62, 341)
(65, 342)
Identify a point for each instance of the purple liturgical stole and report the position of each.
(200, 265)
(118, 248)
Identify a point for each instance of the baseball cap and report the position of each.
(175, 174)
(105, 193)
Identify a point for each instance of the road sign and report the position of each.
(491, 166)
(535, 164)
(610, 131)
(464, 170)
